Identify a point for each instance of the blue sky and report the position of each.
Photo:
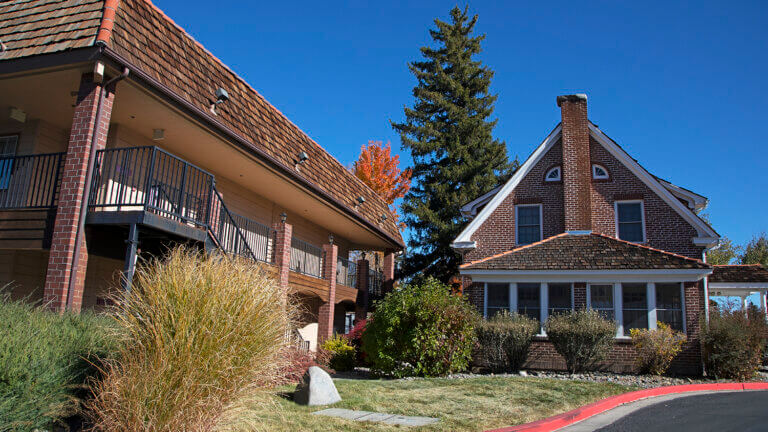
(680, 86)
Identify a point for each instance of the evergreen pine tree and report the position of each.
(449, 133)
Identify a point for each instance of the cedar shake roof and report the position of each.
(585, 252)
(147, 39)
(739, 273)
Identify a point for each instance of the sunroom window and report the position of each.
(669, 305)
(601, 300)
(528, 224)
(559, 297)
(498, 298)
(634, 309)
(529, 300)
(629, 221)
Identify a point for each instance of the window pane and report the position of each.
(498, 295)
(528, 300)
(634, 306)
(669, 306)
(632, 231)
(559, 297)
(601, 296)
(528, 234)
(528, 215)
(630, 212)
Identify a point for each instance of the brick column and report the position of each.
(282, 251)
(389, 272)
(579, 295)
(577, 171)
(72, 188)
(326, 312)
(361, 305)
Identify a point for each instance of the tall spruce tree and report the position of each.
(449, 133)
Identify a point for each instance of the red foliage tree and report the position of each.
(377, 168)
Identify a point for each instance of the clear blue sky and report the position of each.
(682, 87)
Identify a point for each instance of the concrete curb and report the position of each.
(570, 417)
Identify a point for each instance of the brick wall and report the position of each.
(576, 166)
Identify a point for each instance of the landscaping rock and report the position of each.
(316, 388)
(523, 373)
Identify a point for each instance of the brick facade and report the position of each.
(282, 251)
(73, 178)
(577, 171)
(326, 313)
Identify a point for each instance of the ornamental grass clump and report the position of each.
(504, 340)
(582, 337)
(420, 329)
(733, 343)
(46, 360)
(204, 335)
(656, 348)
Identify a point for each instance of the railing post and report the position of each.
(361, 305)
(327, 310)
(150, 174)
(181, 190)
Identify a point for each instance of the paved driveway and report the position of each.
(743, 411)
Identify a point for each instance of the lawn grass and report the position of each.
(471, 404)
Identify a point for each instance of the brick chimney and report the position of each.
(577, 172)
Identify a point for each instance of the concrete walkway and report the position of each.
(376, 417)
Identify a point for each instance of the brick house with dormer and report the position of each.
(582, 225)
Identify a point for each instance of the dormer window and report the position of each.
(599, 172)
(553, 174)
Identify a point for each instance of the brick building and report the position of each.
(122, 136)
(582, 225)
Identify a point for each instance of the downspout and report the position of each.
(87, 187)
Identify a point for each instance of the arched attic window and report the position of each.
(599, 172)
(553, 175)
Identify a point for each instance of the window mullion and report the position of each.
(651, 296)
(543, 304)
(618, 313)
(485, 300)
(512, 297)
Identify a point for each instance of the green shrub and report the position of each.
(420, 329)
(582, 337)
(733, 343)
(504, 340)
(45, 361)
(342, 354)
(656, 348)
(205, 334)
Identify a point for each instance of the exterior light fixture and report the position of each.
(330, 238)
(283, 217)
(383, 217)
(360, 200)
(301, 158)
(158, 134)
(221, 97)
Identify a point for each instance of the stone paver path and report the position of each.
(376, 417)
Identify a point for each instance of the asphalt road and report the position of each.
(744, 411)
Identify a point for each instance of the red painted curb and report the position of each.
(570, 417)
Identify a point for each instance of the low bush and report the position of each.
(204, 335)
(355, 338)
(656, 348)
(297, 361)
(733, 343)
(342, 354)
(46, 360)
(582, 337)
(504, 341)
(420, 329)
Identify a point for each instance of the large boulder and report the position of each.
(316, 388)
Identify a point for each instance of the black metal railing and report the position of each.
(225, 230)
(375, 285)
(306, 258)
(30, 182)
(346, 272)
(151, 179)
(258, 236)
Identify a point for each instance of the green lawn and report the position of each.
(471, 404)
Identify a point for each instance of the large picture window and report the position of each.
(630, 225)
(634, 300)
(498, 298)
(559, 297)
(528, 224)
(529, 300)
(669, 305)
(601, 300)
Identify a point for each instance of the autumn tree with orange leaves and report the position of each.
(378, 168)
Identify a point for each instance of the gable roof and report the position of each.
(739, 273)
(707, 235)
(144, 38)
(575, 252)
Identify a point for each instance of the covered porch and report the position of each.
(742, 282)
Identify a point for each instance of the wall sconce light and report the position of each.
(283, 217)
(330, 238)
(158, 134)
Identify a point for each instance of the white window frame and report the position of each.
(559, 174)
(682, 304)
(642, 216)
(517, 223)
(597, 176)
